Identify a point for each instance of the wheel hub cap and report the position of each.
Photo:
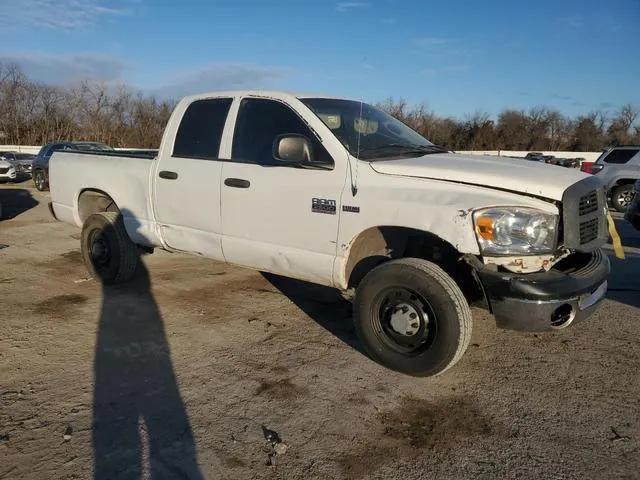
(100, 250)
(405, 319)
(625, 199)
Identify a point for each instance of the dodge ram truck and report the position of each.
(337, 192)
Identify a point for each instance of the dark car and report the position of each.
(40, 171)
(535, 156)
(633, 209)
(568, 162)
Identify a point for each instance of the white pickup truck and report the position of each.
(336, 192)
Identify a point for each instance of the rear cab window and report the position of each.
(200, 131)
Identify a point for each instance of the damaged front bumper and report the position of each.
(567, 293)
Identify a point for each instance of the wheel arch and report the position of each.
(623, 181)
(93, 200)
(379, 244)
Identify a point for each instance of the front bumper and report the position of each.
(567, 294)
(8, 175)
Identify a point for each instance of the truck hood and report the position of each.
(504, 173)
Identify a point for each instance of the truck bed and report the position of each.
(133, 153)
(123, 176)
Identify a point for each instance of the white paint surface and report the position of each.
(270, 226)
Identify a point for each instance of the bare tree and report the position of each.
(35, 113)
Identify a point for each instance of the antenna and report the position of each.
(354, 181)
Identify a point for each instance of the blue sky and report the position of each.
(456, 57)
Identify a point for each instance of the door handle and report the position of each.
(236, 182)
(168, 175)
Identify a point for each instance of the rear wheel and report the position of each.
(412, 317)
(622, 196)
(39, 180)
(108, 253)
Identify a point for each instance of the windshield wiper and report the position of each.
(404, 148)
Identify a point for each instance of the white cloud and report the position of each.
(221, 76)
(60, 14)
(112, 70)
(345, 6)
(62, 69)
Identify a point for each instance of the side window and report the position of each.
(259, 122)
(620, 156)
(200, 129)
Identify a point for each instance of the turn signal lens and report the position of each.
(484, 227)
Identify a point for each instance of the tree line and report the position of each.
(536, 129)
(34, 113)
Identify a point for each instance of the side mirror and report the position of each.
(292, 148)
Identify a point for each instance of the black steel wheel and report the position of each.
(108, 253)
(412, 317)
(406, 321)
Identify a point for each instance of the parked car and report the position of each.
(535, 156)
(632, 215)
(619, 169)
(7, 171)
(568, 162)
(339, 193)
(21, 160)
(40, 172)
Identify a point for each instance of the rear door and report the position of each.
(620, 163)
(187, 180)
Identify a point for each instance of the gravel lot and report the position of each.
(178, 374)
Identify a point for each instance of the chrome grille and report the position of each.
(4, 170)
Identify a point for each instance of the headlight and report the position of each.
(515, 230)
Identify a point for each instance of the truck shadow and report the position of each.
(324, 305)
(14, 202)
(628, 234)
(624, 283)
(136, 399)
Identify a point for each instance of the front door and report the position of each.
(276, 218)
(187, 183)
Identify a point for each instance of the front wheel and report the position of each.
(412, 317)
(108, 253)
(622, 196)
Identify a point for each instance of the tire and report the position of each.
(39, 181)
(621, 197)
(107, 251)
(422, 289)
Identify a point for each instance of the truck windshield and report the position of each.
(369, 133)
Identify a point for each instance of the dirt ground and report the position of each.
(178, 375)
